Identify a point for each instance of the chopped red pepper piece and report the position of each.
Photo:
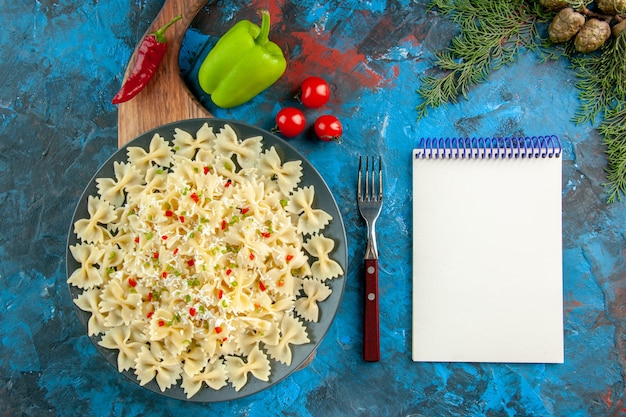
(245, 210)
(137, 239)
(132, 282)
(155, 255)
(192, 311)
(229, 271)
(164, 274)
(207, 170)
(191, 262)
(194, 197)
(289, 257)
(265, 234)
(169, 213)
(228, 183)
(261, 286)
(164, 237)
(220, 294)
(161, 323)
(252, 256)
(150, 314)
(182, 219)
(149, 296)
(218, 329)
(224, 224)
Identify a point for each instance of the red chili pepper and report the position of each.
(229, 271)
(192, 311)
(194, 197)
(150, 314)
(132, 282)
(149, 57)
(137, 239)
(245, 210)
(252, 256)
(169, 213)
(182, 219)
(207, 170)
(261, 286)
(191, 262)
(218, 330)
(175, 251)
(220, 294)
(224, 224)
(161, 323)
(289, 257)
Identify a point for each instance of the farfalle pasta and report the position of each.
(202, 259)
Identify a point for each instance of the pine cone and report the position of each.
(619, 28)
(612, 6)
(565, 25)
(554, 4)
(592, 35)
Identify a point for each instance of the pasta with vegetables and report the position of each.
(201, 259)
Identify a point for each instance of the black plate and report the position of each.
(335, 230)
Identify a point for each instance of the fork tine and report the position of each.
(367, 178)
(380, 178)
(374, 194)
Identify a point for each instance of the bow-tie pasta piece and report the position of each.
(324, 268)
(188, 146)
(311, 220)
(100, 212)
(159, 154)
(237, 370)
(292, 332)
(316, 291)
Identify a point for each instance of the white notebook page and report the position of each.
(487, 260)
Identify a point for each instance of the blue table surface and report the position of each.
(63, 60)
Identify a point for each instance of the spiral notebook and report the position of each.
(487, 250)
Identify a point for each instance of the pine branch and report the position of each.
(613, 130)
(492, 34)
(601, 79)
(602, 87)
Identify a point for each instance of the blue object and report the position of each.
(62, 62)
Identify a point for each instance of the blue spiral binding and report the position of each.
(490, 148)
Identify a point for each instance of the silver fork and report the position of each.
(370, 202)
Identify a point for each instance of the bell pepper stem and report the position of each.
(160, 33)
(264, 35)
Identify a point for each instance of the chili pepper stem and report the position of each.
(160, 33)
(264, 35)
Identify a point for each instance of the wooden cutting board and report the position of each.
(166, 98)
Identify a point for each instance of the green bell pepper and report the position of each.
(243, 63)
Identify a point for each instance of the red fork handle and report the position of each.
(371, 328)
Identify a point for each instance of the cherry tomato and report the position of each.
(328, 128)
(314, 92)
(290, 122)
